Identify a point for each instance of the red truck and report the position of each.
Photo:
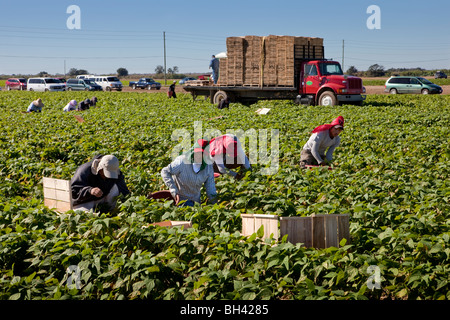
(294, 69)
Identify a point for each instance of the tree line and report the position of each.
(377, 70)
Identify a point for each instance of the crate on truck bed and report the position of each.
(281, 68)
(266, 61)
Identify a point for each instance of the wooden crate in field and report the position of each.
(252, 222)
(57, 194)
(317, 231)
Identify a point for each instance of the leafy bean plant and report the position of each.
(390, 175)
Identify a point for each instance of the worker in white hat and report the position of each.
(99, 181)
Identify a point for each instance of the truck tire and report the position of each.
(134, 87)
(328, 99)
(219, 96)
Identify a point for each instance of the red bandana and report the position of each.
(338, 121)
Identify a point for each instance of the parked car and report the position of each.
(145, 83)
(411, 85)
(183, 81)
(85, 76)
(82, 84)
(204, 77)
(440, 75)
(45, 84)
(16, 84)
(108, 83)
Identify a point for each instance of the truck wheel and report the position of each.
(393, 91)
(425, 91)
(219, 96)
(327, 99)
(134, 86)
(108, 88)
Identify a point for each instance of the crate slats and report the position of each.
(318, 231)
(57, 194)
(252, 222)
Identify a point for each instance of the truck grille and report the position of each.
(354, 83)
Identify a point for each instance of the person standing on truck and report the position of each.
(171, 93)
(214, 64)
(322, 138)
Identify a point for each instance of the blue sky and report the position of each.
(34, 36)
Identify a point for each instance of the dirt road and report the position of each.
(179, 89)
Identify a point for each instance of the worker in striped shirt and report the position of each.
(187, 174)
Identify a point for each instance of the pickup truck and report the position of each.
(145, 83)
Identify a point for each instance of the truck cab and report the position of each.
(322, 82)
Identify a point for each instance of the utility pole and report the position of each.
(164, 37)
(342, 55)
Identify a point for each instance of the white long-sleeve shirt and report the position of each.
(318, 144)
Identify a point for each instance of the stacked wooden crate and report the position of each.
(253, 54)
(231, 69)
(266, 61)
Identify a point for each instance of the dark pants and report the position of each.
(306, 158)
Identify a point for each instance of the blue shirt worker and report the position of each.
(214, 64)
(35, 106)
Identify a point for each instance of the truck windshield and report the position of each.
(113, 79)
(328, 69)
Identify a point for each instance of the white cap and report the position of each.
(110, 166)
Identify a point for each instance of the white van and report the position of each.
(108, 83)
(85, 76)
(45, 84)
